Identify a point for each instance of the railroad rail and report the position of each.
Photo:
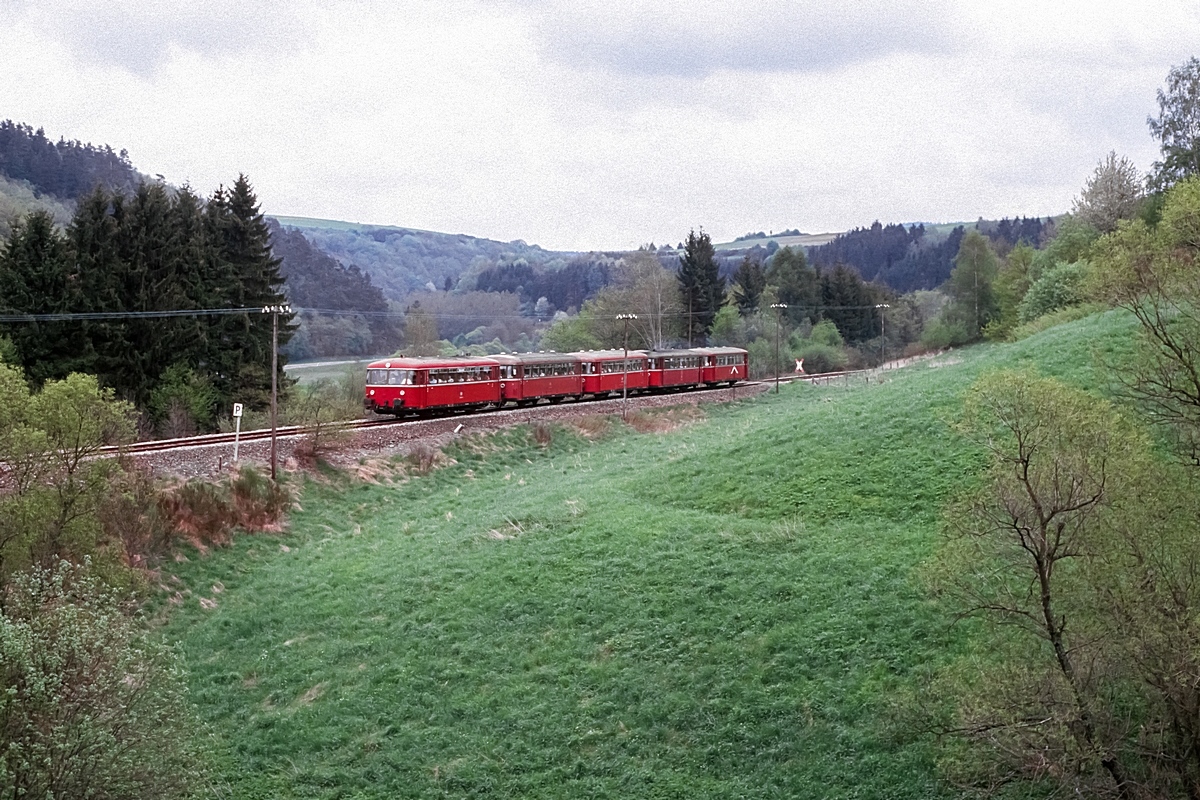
(287, 431)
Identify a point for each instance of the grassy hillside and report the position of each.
(724, 610)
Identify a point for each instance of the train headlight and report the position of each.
(372, 393)
(402, 393)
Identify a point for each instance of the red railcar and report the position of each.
(609, 372)
(411, 385)
(527, 378)
(674, 368)
(723, 364)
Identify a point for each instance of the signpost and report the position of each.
(237, 428)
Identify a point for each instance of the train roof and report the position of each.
(535, 358)
(433, 362)
(598, 355)
(719, 351)
(661, 353)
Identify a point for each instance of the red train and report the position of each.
(415, 386)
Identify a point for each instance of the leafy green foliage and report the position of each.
(53, 484)
(1058, 287)
(182, 400)
(91, 705)
(1078, 549)
(1177, 126)
(796, 284)
(970, 285)
(1152, 273)
(749, 282)
(571, 334)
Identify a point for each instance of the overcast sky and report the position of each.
(605, 124)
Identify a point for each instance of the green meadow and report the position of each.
(730, 607)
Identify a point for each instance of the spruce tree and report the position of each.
(145, 283)
(797, 285)
(36, 277)
(249, 277)
(749, 282)
(701, 287)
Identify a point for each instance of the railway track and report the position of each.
(521, 413)
(258, 435)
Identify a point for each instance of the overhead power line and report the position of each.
(101, 315)
(212, 312)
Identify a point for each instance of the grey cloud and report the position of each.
(765, 36)
(139, 37)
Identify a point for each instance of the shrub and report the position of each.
(206, 513)
(91, 705)
(543, 434)
(942, 333)
(260, 502)
(819, 358)
(424, 459)
(1058, 287)
(183, 401)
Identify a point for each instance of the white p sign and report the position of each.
(237, 409)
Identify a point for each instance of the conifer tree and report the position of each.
(849, 304)
(797, 285)
(749, 282)
(248, 276)
(701, 286)
(36, 278)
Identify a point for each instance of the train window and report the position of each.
(400, 377)
(376, 377)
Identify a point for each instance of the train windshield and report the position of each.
(376, 377)
(400, 377)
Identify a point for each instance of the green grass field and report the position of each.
(727, 610)
(308, 372)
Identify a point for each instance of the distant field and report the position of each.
(333, 369)
(806, 240)
(332, 224)
(726, 610)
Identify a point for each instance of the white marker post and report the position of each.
(237, 428)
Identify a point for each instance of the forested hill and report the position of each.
(404, 260)
(911, 257)
(64, 169)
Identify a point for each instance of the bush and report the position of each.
(820, 358)
(260, 502)
(91, 705)
(942, 333)
(1058, 287)
(206, 513)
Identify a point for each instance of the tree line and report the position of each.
(137, 255)
(65, 169)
